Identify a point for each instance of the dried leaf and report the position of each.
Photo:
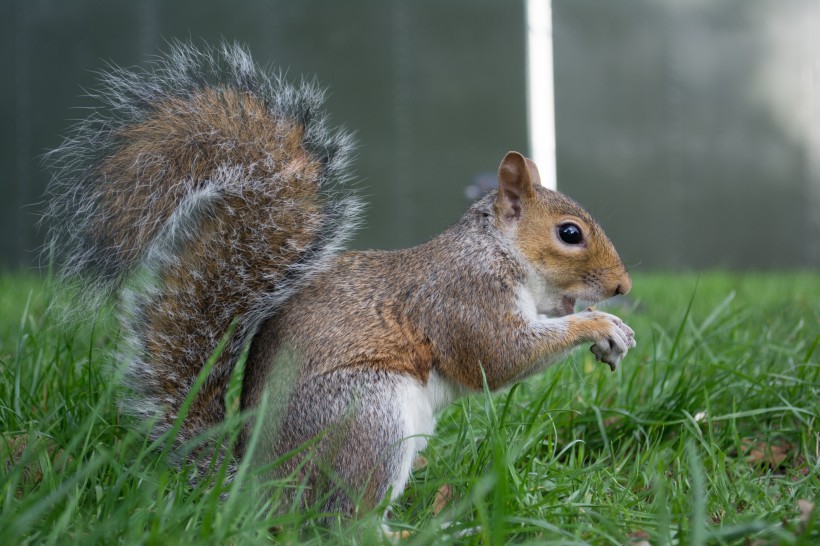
(800, 466)
(609, 421)
(443, 497)
(12, 448)
(639, 538)
(772, 455)
(717, 517)
(805, 508)
(397, 535)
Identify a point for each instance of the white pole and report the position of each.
(540, 93)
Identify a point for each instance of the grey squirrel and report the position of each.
(211, 202)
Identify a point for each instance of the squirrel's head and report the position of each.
(567, 250)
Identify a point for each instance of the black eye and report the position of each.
(570, 234)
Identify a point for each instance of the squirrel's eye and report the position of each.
(570, 234)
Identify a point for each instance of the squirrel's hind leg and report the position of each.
(368, 426)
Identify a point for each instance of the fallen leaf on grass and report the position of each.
(805, 508)
(397, 535)
(609, 421)
(13, 449)
(443, 497)
(639, 538)
(800, 467)
(769, 454)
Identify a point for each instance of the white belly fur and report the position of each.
(418, 405)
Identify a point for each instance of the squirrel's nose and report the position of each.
(623, 287)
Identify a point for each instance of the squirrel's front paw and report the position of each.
(613, 338)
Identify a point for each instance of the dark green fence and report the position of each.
(690, 129)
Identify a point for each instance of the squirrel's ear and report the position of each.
(516, 177)
(533, 168)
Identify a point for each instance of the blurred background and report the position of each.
(689, 128)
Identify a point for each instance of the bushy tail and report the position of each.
(201, 194)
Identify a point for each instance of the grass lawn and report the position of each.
(708, 433)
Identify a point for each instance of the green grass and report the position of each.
(708, 433)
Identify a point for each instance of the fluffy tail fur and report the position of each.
(201, 194)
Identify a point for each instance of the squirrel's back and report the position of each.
(202, 194)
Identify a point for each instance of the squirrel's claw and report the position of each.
(606, 356)
(612, 349)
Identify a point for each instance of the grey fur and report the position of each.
(98, 264)
(127, 97)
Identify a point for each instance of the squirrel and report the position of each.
(211, 202)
